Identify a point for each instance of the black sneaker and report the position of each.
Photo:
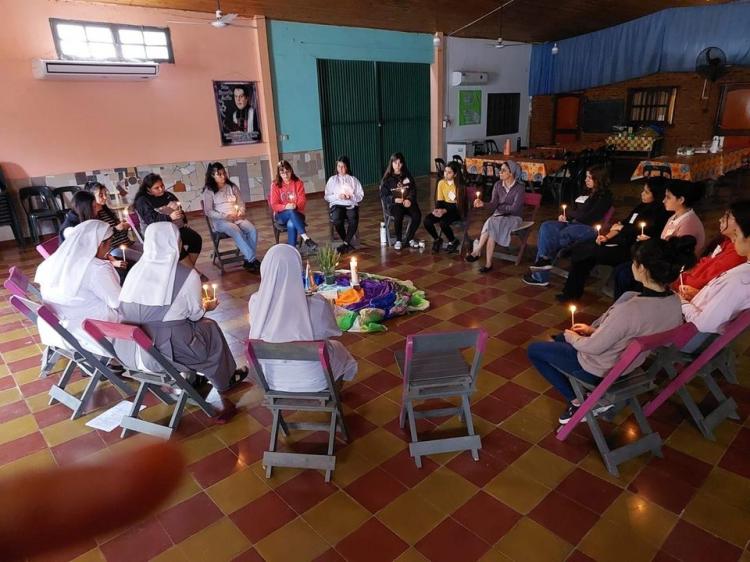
(529, 279)
(563, 298)
(541, 264)
(453, 246)
(436, 245)
(310, 244)
(567, 414)
(250, 266)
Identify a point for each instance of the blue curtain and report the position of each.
(667, 41)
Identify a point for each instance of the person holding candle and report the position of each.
(116, 220)
(589, 352)
(398, 192)
(344, 194)
(155, 204)
(280, 312)
(450, 206)
(613, 248)
(679, 199)
(223, 205)
(164, 297)
(287, 201)
(78, 282)
(506, 206)
(575, 225)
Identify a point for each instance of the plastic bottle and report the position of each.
(383, 237)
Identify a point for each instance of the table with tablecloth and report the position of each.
(699, 167)
(637, 143)
(533, 169)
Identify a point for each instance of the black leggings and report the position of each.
(340, 214)
(398, 212)
(192, 243)
(445, 221)
(587, 255)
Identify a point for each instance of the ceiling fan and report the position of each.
(220, 19)
(500, 43)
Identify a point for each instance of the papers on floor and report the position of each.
(110, 419)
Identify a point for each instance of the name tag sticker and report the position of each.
(632, 219)
(582, 199)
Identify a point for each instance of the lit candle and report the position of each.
(572, 315)
(479, 195)
(205, 291)
(598, 228)
(124, 255)
(214, 286)
(643, 228)
(563, 209)
(354, 274)
(681, 280)
(236, 209)
(403, 190)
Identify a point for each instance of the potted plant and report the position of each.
(328, 259)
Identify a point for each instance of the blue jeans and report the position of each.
(556, 359)
(555, 235)
(242, 232)
(294, 222)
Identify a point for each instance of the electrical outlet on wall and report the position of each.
(283, 137)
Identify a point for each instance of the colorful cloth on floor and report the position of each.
(377, 299)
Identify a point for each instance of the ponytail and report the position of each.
(665, 259)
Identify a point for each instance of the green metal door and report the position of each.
(372, 109)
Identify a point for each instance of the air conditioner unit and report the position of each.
(465, 78)
(93, 70)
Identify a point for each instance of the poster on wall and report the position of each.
(237, 110)
(469, 107)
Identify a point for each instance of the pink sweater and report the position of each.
(687, 223)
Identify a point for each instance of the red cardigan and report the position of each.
(278, 202)
(709, 268)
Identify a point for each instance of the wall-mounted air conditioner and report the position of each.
(93, 70)
(466, 78)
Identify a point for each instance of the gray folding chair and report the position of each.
(170, 374)
(433, 366)
(77, 356)
(327, 401)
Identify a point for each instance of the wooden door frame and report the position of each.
(555, 130)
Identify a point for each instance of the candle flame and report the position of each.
(123, 247)
(564, 207)
(205, 287)
(643, 225)
(573, 308)
(214, 286)
(598, 227)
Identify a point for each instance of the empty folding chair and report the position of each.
(682, 367)
(156, 372)
(226, 257)
(433, 367)
(48, 247)
(76, 355)
(624, 390)
(39, 204)
(327, 401)
(531, 203)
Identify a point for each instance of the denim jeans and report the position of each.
(294, 222)
(556, 359)
(242, 232)
(555, 235)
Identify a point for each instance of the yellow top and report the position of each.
(447, 191)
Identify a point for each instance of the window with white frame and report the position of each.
(86, 40)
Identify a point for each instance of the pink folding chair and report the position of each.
(682, 367)
(170, 375)
(48, 247)
(327, 401)
(624, 391)
(135, 225)
(77, 356)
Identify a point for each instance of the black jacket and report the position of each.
(389, 186)
(593, 210)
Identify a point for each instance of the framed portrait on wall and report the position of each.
(237, 110)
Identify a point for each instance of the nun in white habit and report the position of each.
(163, 296)
(281, 312)
(79, 282)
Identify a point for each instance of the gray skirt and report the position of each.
(499, 228)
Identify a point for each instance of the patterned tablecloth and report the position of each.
(534, 169)
(699, 167)
(632, 144)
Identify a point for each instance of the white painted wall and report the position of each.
(508, 70)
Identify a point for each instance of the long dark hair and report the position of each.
(458, 180)
(664, 259)
(212, 168)
(345, 161)
(600, 175)
(284, 165)
(148, 181)
(82, 204)
(389, 170)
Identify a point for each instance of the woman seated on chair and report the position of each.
(679, 198)
(78, 282)
(155, 204)
(589, 352)
(506, 206)
(573, 225)
(344, 194)
(164, 297)
(280, 312)
(450, 206)
(120, 226)
(223, 205)
(728, 294)
(613, 248)
(398, 192)
(287, 201)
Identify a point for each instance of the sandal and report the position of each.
(226, 413)
(238, 376)
(485, 269)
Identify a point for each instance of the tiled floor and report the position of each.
(529, 497)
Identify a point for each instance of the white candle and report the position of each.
(205, 291)
(563, 209)
(354, 273)
(681, 281)
(598, 228)
(479, 195)
(214, 286)
(643, 228)
(236, 209)
(124, 255)
(572, 315)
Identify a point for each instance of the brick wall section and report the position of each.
(694, 118)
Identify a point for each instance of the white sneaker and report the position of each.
(397, 245)
(413, 243)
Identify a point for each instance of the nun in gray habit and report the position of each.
(506, 206)
(164, 298)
